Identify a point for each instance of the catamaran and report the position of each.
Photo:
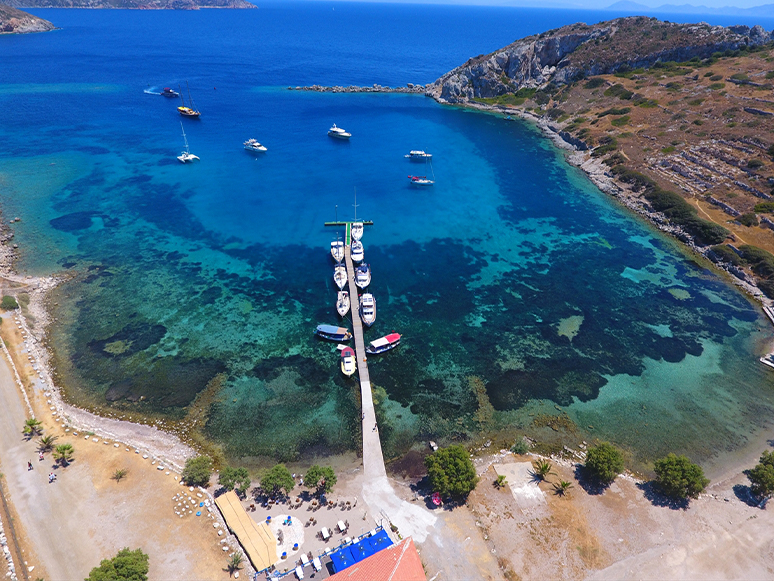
(348, 361)
(186, 155)
(342, 303)
(384, 344)
(340, 275)
(333, 333)
(368, 308)
(363, 276)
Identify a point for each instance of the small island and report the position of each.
(14, 21)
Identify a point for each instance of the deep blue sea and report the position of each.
(513, 270)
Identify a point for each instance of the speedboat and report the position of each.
(421, 181)
(348, 361)
(340, 275)
(384, 344)
(356, 229)
(368, 308)
(254, 146)
(418, 154)
(337, 250)
(333, 333)
(167, 92)
(357, 251)
(338, 132)
(363, 276)
(342, 303)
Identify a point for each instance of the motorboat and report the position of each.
(337, 250)
(357, 251)
(418, 154)
(384, 344)
(340, 275)
(254, 146)
(333, 333)
(338, 132)
(342, 303)
(186, 155)
(167, 92)
(421, 181)
(363, 276)
(348, 361)
(356, 230)
(368, 308)
(185, 111)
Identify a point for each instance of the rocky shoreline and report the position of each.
(375, 88)
(14, 21)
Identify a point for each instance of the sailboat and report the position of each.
(424, 180)
(186, 155)
(342, 303)
(188, 111)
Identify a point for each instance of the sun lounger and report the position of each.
(304, 560)
(347, 540)
(299, 572)
(342, 526)
(316, 564)
(326, 534)
(372, 533)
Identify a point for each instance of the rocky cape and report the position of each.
(573, 52)
(132, 4)
(13, 21)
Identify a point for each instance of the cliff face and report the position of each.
(135, 4)
(16, 21)
(566, 54)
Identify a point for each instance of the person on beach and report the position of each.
(29, 465)
(40, 456)
(374, 428)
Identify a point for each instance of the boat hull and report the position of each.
(363, 280)
(188, 112)
(368, 309)
(342, 303)
(386, 343)
(356, 230)
(331, 333)
(340, 276)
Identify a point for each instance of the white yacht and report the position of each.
(338, 132)
(342, 303)
(356, 230)
(418, 154)
(254, 146)
(340, 275)
(368, 308)
(363, 276)
(357, 251)
(337, 250)
(186, 155)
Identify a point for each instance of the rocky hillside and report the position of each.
(135, 4)
(572, 52)
(16, 21)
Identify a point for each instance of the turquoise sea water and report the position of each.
(513, 269)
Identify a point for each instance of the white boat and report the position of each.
(337, 250)
(340, 275)
(338, 132)
(363, 276)
(418, 154)
(384, 344)
(357, 251)
(186, 155)
(356, 230)
(254, 146)
(423, 180)
(342, 303)
(348, 361)
(368, 308)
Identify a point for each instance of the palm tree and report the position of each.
(235, 563)
(32, 427)
(119, 474)
(501, 481)
(63, 453)
(542, 469)
(561, 487)
(47, 443)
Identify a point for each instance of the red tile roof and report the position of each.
(398, 563)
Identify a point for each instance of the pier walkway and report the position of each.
(373, 460)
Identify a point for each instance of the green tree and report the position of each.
(679, 478)
(197, 471)
(8, 303)
(277, 480)
(520, 446)
(762, 476)
(125, 566)
(321, 478)
(604, 462)
(501, 482)
(46, 443)
(451, 472)
(63, 453)
(561, 487)
(33, 427)
(542, 469)
(238, 478)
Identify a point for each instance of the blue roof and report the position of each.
(356, 552)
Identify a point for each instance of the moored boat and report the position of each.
(167, 92)
(418, 154)
(191, 111)
(357, 251)
(421, 181)
(368, 308)
(342, 303)
(356, 230)
(254, 146)
(340, 275)
(383, 344)
(337, 250)
(363, 276)
(348, 361)
(186, 155)
(333, 333)
(338, 132)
